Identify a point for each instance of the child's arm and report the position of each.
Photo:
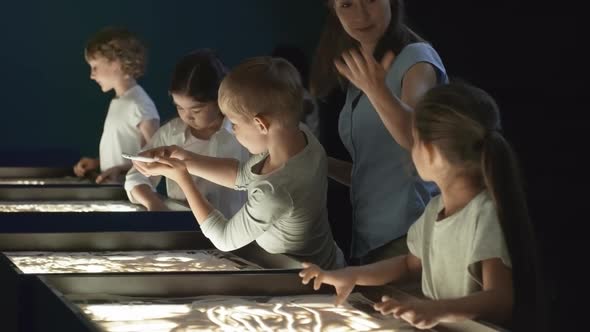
(394, 269)
(222, 171)
(148, 128)
(494, 303)
(264, 206)
(140, 189)
(113, 174)
(145, 196)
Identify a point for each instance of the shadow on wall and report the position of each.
(48, 99)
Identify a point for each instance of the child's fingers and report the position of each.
(404, 312)
(387, 306)
(146, 153)
(342, 294)
(152, 153)
(307, 277)
(317, 282)
(177, 154)
(382, 306)
(165, 161)
(410, 317)
(308, 274)
(78, 170)
(141, 167)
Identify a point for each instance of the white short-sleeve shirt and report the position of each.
(452, 249)
(121, 132)
(222, 144)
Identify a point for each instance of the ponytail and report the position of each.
(502, 178)
(463, 122)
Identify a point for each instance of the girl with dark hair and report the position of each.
(200, 128)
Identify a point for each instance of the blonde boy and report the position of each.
(286, 179)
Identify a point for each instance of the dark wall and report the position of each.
(529, 57)
(47, 97)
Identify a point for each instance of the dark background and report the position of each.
(526, 54)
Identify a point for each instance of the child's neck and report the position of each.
(283, 147)
(123, 86)
(456, 193)
(206, 133)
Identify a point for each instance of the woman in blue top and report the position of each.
(387, 68)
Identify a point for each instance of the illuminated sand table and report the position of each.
(312, 313)
(128, 261)
(88, 206)
(44, 181)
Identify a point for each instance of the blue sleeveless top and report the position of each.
(386, 192)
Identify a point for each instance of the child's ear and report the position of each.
(433, 156)
(262, 123)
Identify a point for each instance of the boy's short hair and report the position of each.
(114, 43)
(263, 85)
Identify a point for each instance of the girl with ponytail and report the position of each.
(474, 241)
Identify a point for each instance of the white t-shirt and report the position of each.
(452, 249)
(121, 132)
(222, 144)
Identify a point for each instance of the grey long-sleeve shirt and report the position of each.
(285, 212)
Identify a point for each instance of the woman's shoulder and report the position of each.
(417, 52)
(417, 48)
(412, 54)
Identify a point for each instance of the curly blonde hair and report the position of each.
(118, 44)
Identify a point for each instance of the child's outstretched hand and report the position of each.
(171, 168)
(422, 314)
(341, 279)
(171, 151)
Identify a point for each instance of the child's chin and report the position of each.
(104, 88)
(255, 151)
